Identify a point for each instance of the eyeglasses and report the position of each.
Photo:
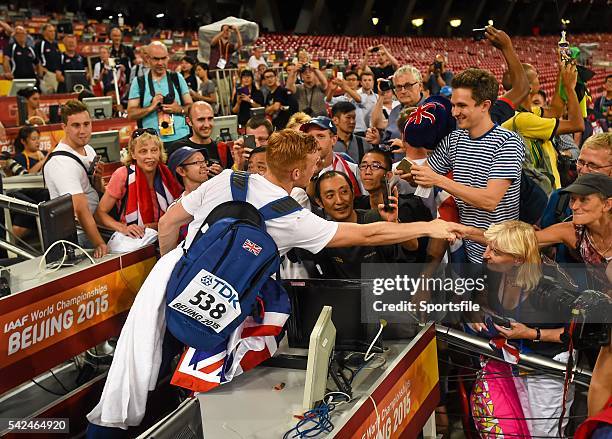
(591, 166)
(372, 166)
(140, 131)
(407, 86)
(197, 162)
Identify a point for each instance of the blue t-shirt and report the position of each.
(181, 129)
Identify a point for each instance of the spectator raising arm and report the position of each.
(320, 78)
(556, 104)
(575, 122)
(394, 62)
(520, 84)
(291, 77)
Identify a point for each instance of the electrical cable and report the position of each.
(367, 355)
(319, 417)
(47, 390)
(59, 382)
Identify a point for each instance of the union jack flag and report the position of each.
(254, 341)
(252, 247)
(422, 112)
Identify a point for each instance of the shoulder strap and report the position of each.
(125, 196)
(279, 208)
(177, 84)
(360, 148)
(239, 183)
(67, 154)
(561, 207)
(141, 91)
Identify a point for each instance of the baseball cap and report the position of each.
(180, 156)
(431, 122)
(587, 184)
(446, 91)
(320, 121)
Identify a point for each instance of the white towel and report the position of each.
(135, 366)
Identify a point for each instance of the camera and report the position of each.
(385, 85)
(304, 67)
(375, 49)
(14, 167)
(437, 65)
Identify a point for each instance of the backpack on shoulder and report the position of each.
(215, 285)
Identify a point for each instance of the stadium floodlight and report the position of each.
(110, 17)
(374, 21)
(455, 22)
(160, 15)
(417, 22)
(565, 21)
(98, 8)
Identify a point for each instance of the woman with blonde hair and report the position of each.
(141, 190)
(524, 316)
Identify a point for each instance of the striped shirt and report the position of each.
(498, 154)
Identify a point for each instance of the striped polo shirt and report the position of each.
(497, 154)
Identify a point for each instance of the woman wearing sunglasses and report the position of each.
(142, 190)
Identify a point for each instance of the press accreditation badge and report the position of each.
(210, 300)
(221, 63)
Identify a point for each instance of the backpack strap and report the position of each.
(177, 84)
(141, 91)
(561, 207)
(279, 208)
(67, 154)
(239, 183)
(359, 148)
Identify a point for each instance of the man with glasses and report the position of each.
(160, 99)
(408, 86)
(595, 158)
(200, 118)
(279, 103)
(189, 167)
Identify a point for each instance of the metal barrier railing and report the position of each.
(530, 361)
(225, 81)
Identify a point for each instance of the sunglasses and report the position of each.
(140, 131)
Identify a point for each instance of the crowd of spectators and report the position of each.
(517, 169)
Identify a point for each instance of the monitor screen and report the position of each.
(76, 81)
(19, 84)
(57, 223)
(106, 144)
(309, 296)
(225, 128)
(100, 108)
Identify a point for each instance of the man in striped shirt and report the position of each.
(484, 158)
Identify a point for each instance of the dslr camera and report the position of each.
(385, 85)
(304, 67)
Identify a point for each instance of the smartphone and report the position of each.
(479, 34)
(243, 91)
(501, 321)
(94, 163)
(386, 191)
(249, 141)
(340, 75)
(375, 49)
(405, 165)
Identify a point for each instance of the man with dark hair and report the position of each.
(49, 55)
(604, 102)
(386, 63)
(221, 50)
(20, 61)
(257, 161)
(310, 95)
(368, 96)
(124, 54)
(375, 170)
(344, 117)
(349, 85)
(259, 127)
(66, 172)
(486, 160)
(70, 60)
(200, 118)
(280, 104)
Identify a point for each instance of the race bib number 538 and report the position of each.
(210, 300)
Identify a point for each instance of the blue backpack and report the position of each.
(214, 286)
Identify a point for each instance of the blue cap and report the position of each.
(446, 91)
(320, 121)
(431, 122)
(179, 156)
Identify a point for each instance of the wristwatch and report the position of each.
(538, 335)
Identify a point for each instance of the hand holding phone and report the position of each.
(479, 34)
(404, 165)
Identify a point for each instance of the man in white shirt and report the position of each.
(292, 159)
(256, 59)
(69, 175)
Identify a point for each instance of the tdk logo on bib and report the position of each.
(219, 287)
